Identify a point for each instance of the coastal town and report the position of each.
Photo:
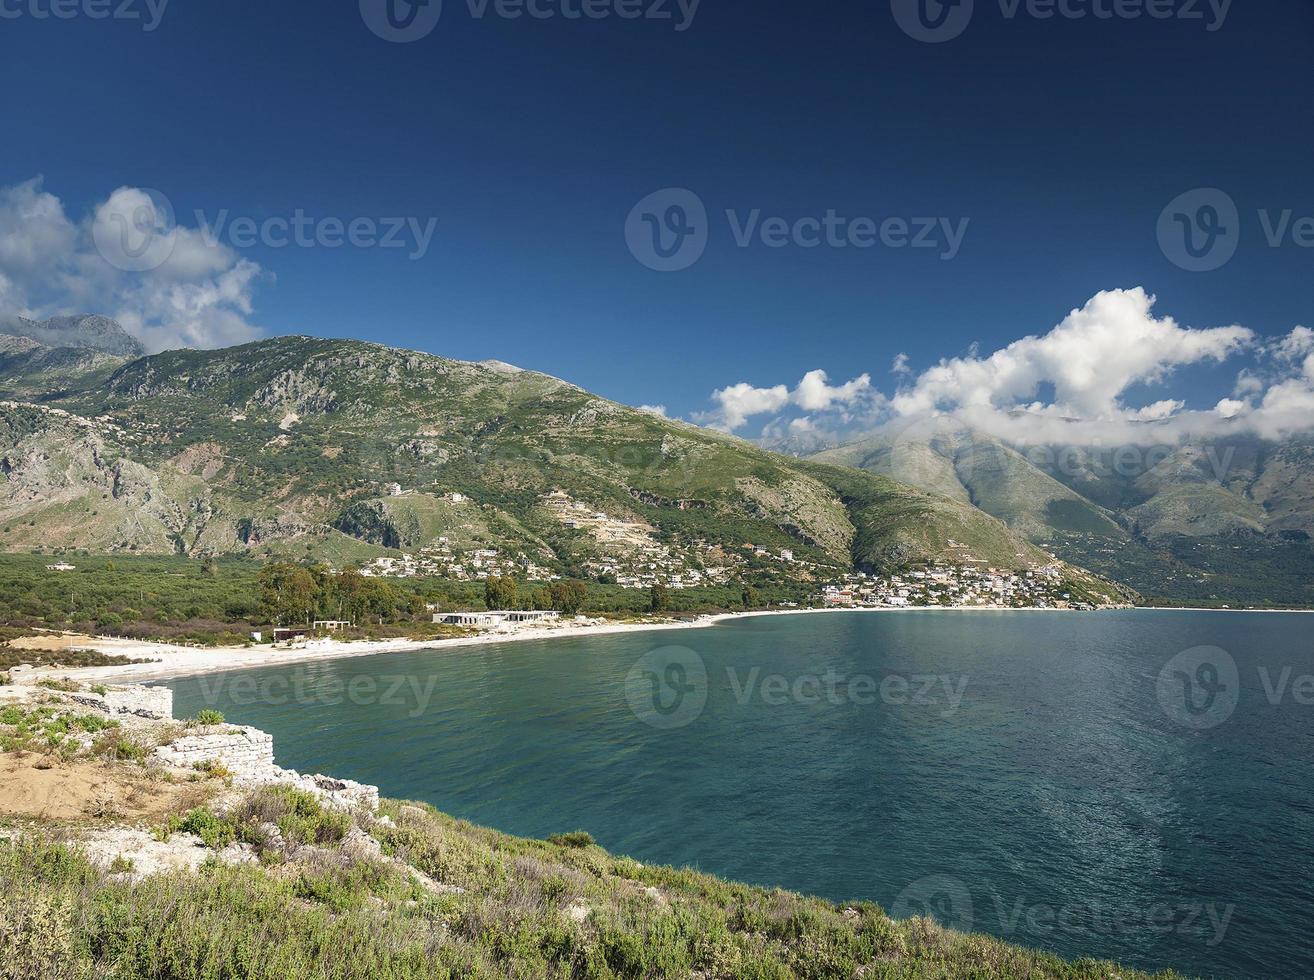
(955, 585)
(629, 555)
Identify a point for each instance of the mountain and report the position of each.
(345, 450)
(85, 332)
(967, 465)
(1220, 520)
(38, 359)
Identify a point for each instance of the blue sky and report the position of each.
(1053, 144)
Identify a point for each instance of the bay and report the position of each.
(1091, 784)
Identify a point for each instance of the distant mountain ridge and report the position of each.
(83, 331)
(1225, 519)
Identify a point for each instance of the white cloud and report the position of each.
(815, 394)
(1069, 386)
(1159, 410)
(1095, 355)
(35, 234)
(738, 402)
(1296, 345)
(1275, 398)
(1091, 359)
(1247, 383)
(654, 410)
(900, 365)
(168, 285)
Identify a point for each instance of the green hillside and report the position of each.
(341, 450)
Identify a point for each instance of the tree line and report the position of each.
(299, 594)
(566, 597)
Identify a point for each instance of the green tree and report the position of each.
(352, 599)
(288, 592)
(380, 599)
(659, 597)
(568, 597)
(500, 592)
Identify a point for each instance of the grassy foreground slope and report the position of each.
(490, 906)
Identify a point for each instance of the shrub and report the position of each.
(37, 938)
(61, 684)
(92, 723)
(209, 717)
(554, 887)
(216, 831)
(321, 827)
(119, 748)
(299, 816)
(342, 888)
(212, 768)
(576, 838)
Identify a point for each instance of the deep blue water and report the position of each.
(1036, 776)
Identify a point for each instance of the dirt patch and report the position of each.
(55, 641)
(65, 650)
(81, 789)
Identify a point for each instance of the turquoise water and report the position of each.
(1038, 776)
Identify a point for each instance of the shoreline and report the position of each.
(173, 661)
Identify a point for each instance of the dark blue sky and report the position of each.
(530, 142)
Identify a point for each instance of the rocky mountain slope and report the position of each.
(82, 332)
(344, 450)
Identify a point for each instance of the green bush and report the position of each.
(299, 816)
(576, 838)
(217, 832)
(118, 748)
(209, 717)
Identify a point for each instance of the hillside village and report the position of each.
(956, 585)
(442, 560)
(632, 557)
(627, 553)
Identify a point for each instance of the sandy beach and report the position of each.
(170, 660)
